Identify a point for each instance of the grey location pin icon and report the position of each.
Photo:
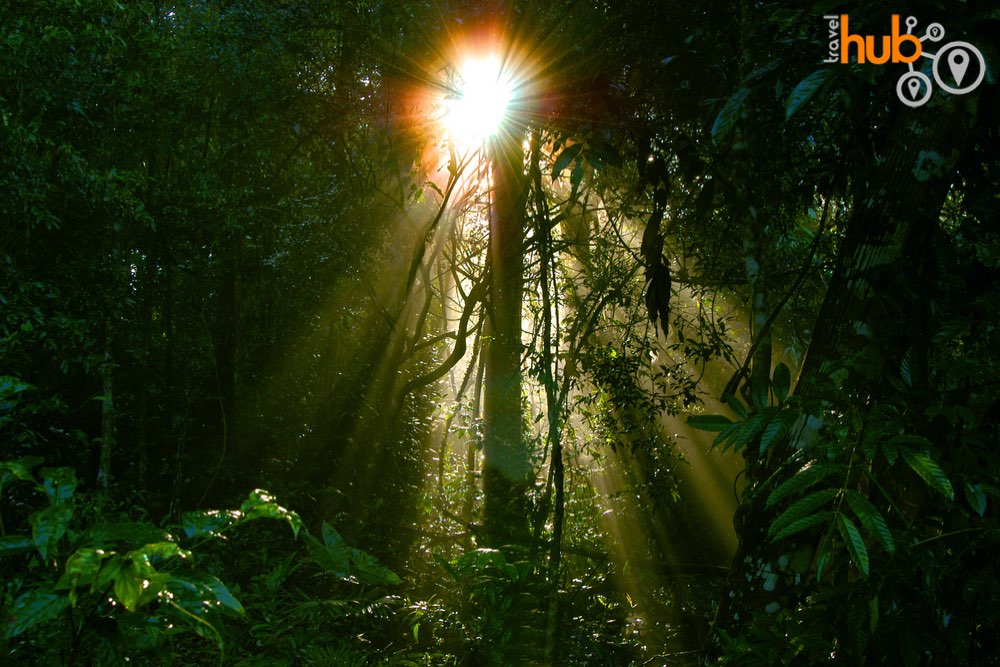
(958, 63)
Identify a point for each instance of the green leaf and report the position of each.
(976, 497)
(807, 476)
(59, 484)
(928, 469)
(260, 505)
(871, 519)
(83, 566)
(568, 154)
(728, 115)
(208, 522)
(736, 405)
(781, 382)
(158, 551)
(48, 526)
(777, 428)
(854, 543)
(128, 587)
(805, 90)
(346, 562)
(804, 523)
(132, 533)
(204, 589)
(370, 571)
(824, 557)
(32, 608)
(713, 423)
(802, 507)
(11, 545)
(11, 386)
(905, 367)
(19, 469)
(748, 430)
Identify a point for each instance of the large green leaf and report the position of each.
(713, 423)
(804, 523)
(32, 608)
(854, 543)
(800, 481)
(132, 533)
(777, 428)
(19, 469)
(128, 587)
(260, 505)
(48, 526)
(781, 382)
(203, 523)
(212, 593)
(728, 115)
(928, 469)
(801, 508)
(871, 519)
(346, 562)
(59, 484)
(806, 89)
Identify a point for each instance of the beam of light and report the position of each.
(485, 92)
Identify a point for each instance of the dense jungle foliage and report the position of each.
(691, 361)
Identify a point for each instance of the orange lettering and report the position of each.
(846, 39)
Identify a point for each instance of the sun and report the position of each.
(483, 96)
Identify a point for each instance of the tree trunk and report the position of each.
(506, 465)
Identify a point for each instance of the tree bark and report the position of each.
(506, 463)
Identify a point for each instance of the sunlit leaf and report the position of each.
(128, 587)
(208, 522)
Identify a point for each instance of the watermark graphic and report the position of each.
(958, 67)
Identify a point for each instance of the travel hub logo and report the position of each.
(957, 67)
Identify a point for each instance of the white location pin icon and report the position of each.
(914, 86)
(958, 63)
